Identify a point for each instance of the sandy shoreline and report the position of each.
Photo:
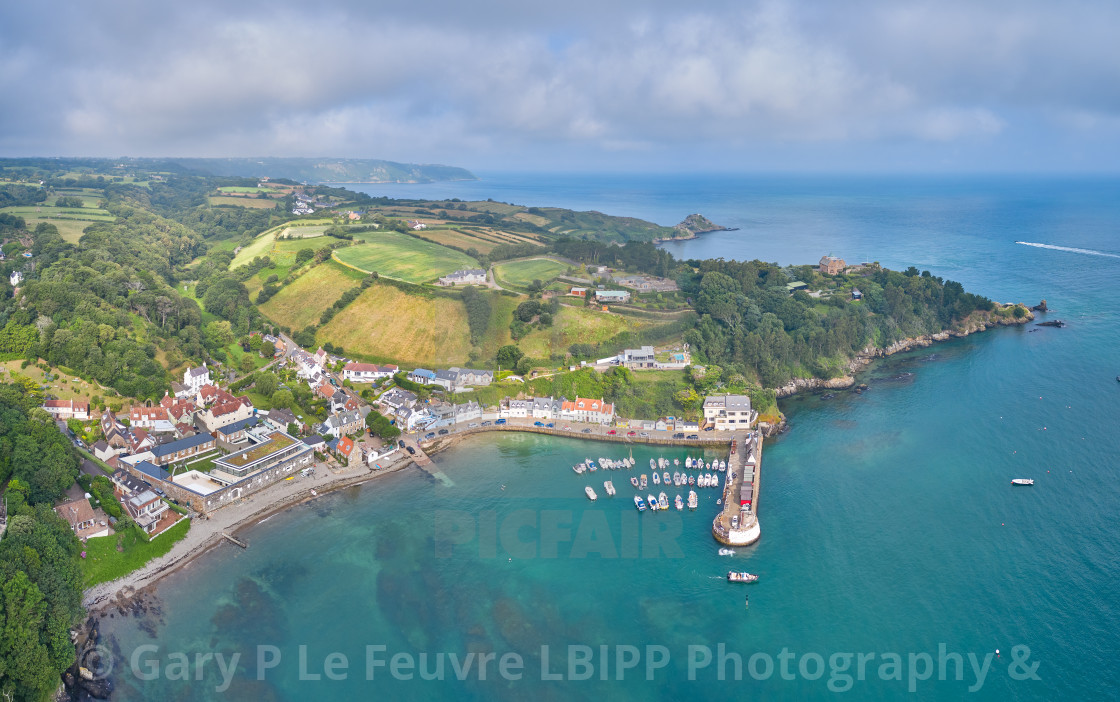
(205, 534)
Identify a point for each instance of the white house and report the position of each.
(67, 409)
(728, 412)
(397, 399)
(422, 376)
(467, 412)
(639, 358)
(472, 276)
(367, 372)
(612, 296)
(195, 378)
(456, 378)
(546, 407)
(15, 278)
(515, 409)
(583, 409)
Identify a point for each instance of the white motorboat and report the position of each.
(662, 501)
(692, 499)
(590, 493)
(656, 478)
(652, 502)
(609, 487)
(679, 503)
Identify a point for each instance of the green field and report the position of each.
(103, 562)
(70, 221)
(396, 255)
(578, 325)
(452, 237)
(281, 251)
(524, 272)
(236, 189)
(389, 325)
(302, 302)
(253, 202)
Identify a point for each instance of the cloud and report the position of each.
(492, 80)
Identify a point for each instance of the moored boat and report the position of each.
(688, 461)
(656, 478)
(676, 461)
(1023, 481)
(609, 487)
(692, 480)
(643, 482)
(639, 503)
(652, 464)
(741, 577)
(715, 479)
(662, 501)
(727, 552)
(590, 493)
(652, 502)
(679, 503)
(633, 481)
(666, 478)
(692, 499)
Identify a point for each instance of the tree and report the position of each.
(246, 365)
(219, 333)
(509, 355)
(282, 398)
(524, 365)
(293, 429)
(266, 384)
(268, 349)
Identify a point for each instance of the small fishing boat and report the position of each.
(1023, 481)
(662, 501)
(609, 487)
(666, 478)
(692, 500)
(727, 552)
(633, 481)
(590, 493)
(652, 502)
(688, 461)
(692, 480)
(639, 503)
(652, 464)
(591, 465)
(579, 468)
(656, 478)
(643, 482)
(679, 503)
(676, 461)
(741, 577)
(715, 479)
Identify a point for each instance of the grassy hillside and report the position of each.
(578, 325)
(387, 324)
(524, 272)
(404, 257)
(302, 302)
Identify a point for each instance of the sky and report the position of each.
(579, 85)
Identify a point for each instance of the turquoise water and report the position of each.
(889, 525)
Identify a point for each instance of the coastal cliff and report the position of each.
(693, 226)
(977, 322)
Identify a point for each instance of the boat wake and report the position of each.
(1070, 249)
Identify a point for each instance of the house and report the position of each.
(325, 390)
(67, 409)
(307, 366)
(367, 372)
(471, 276)
(157, 418)
(178, 409)
(456, 378)
(150, 512)
(422, 376)
(639, 358)
(321, 357)
(546, 407)
(104, 451)
(587, 410)
(237, 433)
(279, 419)
(830, 265)
(342, 447)
(856, 294)
(578, 292)
(515, 409)
(467, 412)
(223, 413)
(397, 399)
(728, 412)
(15, 278)
(683, 425)
(195, 378)
(82, 518)
(182, 449)
(795, 285)
(342, 424)
(127, 484)
(181, 391)
(612, 295)
(416, 224)
(410, 419)
(139, 441)
(110, 424)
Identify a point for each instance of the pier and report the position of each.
(234, 541)
(746, 462)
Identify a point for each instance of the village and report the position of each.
(202, 447)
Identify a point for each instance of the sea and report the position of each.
(896, 557)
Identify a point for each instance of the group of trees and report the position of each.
(40, 595)
(532, 312)
(477, 303)
(381, 426)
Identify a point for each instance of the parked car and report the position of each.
(487, 423)
(400, 443)
(411, 451)
(538, 424)
(567, 428)
(678, 435)
(709, 428)
(472, 425)
(586, 431)
(644, 435)
(430, 435)
(612, 432)
(500, 421)
(443, 432)
(693, 436)
(734, 521)
(631, 433)
(550, 425)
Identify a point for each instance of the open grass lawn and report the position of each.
(463, 240)
(526, 271)
(69, 220)
(404, 257)
(239, 189)
(253, 202)
(578, 325)
(389, 325)
(302, 302)
(64, 386)
(103, 562)
(282, 251)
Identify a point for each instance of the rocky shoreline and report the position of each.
(867, 355)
